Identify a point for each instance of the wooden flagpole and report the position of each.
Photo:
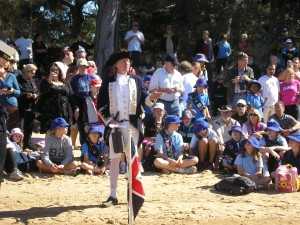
(130, 212)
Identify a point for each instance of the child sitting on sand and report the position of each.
(92, 152)
(57, 156)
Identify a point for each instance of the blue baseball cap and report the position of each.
(172, 59)
(58, 123)
(171, 119)
(273, 125)
(147, 78)
(254, 142)
(201, 82)
(200, 58)
(295, 137)
(236, 128)
(200, 125)
(95, 129)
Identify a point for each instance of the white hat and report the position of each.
(241, 101)
(158, 105)
(6, 51)
(81, 62)
(80, 49)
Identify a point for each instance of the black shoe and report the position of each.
(109, 202)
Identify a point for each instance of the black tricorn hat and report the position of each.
(116, 57)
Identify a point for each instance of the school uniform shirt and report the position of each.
(204, 100)
(176, 140)
(290, 158)
(280, 140)
(100, 149)
(256, 101)
(232, 148)
(247, 163)
(210, 134)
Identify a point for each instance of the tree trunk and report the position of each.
(106, 35)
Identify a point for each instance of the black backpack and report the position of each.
(236, 185)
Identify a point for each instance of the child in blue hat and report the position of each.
(249, 163)
(94, 153)
(232, 149)
(57, 156)
(198, 101)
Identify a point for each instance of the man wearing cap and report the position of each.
(169, 148)
(134, 39)
(287, 123)
(204, 140)
(120, 102)
(237, 79)
(287, 53)
(282, 40)
(5, 53)
(168, 81)
(80, 84)
(241, 114)
(224, 123)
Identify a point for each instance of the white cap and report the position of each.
(241, 101)
(158, 105)
(6, 51)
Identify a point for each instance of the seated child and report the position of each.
(186, 129)
(169, 147)
(57, 156)
(92, 152)
(198, 101)
(249, 163)
(204, 140)
(232, 149)
(25, 161)
(291, 156)
(273, 145)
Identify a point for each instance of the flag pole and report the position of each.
(130, 211)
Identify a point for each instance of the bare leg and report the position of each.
(212, 149)
(203, 145)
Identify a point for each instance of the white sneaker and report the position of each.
(188, 170)
(141, 167)
(266, 173)
(16, 175)
(122, 168)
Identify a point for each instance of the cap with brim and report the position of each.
(17, 131)
(201, 82)
(295, 137)
(289, 41)
(225, 108)
(172, 59)
(80, 49)
(254, 82)
(81, 62)
(114, 58)
(96, 82)
(200, 125)
(241, 101)
(158, 105)
(6, 51)
(273, 125)
(171, 119)
(200, 58)
(58, 123)
(187, 113)
(147, 78)
(284, 30)
(236, 128)
(254, 142)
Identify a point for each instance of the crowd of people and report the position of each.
(181, 118)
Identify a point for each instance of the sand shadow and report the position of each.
(25, 215)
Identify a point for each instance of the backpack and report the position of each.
(286, 178)
(236, 185)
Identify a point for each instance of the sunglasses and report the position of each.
(252, 114)
(240, 105)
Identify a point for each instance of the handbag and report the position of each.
(118, 141)
(286, 179)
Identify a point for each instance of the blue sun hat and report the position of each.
(254, 82)
(236, 128)
(171, 119)
(58, 123)
(94, 129)
(200, 58)
(254, 142)
(201, 82)
(200, 125)
(295, 137)
(273, 125)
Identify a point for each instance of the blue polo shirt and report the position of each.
(256, 102)
(176, 139)
(247, 163)
(210, 134)
(204, 100)
(92, 158)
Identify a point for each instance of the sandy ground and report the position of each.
(171, 199)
